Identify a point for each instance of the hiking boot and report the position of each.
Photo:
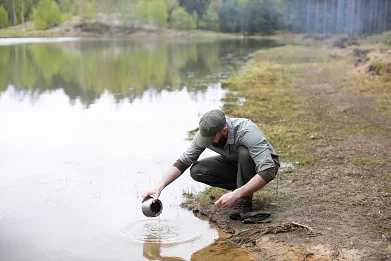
(241, 206)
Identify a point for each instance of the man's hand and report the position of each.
(154, 193)
(227, 199)
(172, 174)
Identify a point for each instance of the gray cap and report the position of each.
(211, 123)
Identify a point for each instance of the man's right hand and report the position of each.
(153, 193)
(172, 174)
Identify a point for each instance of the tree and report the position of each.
(232, 16)
(65, 6)
(180, 19)
(199, 6)
(3, 17)
(153, 11)
(210, 20)
(47, 14)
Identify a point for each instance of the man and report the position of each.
(247, 161)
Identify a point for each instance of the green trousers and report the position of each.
(217, 171)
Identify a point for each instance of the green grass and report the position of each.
(204, 198)
(272, 102)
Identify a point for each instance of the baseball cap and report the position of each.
(211, 123)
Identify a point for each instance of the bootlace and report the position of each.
(238, 205)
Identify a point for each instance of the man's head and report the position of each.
(213, 126)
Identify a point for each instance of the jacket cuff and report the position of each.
(181, 165)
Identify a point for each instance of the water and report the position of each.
(87, 125)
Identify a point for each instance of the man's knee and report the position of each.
(195, 172)
(243, 153)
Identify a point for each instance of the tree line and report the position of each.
(239, 16)
(127, 70)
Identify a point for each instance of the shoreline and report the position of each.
(317, 103)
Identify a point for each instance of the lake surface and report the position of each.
(86, 126)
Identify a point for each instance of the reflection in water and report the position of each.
(167, 233)
(85, 69)
(152, 251)
(76, 195)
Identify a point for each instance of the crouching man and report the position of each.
(245, 164)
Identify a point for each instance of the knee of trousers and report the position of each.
(243, 154)
(195, 172)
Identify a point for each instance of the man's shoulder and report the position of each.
(243, 122)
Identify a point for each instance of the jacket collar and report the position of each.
(231, 136)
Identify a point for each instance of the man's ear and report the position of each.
(225, 130)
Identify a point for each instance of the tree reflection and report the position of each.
(124, 68)
(152, 251)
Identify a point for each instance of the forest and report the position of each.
(233, 16)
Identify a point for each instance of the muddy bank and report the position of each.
(78, 28)
(325, 108)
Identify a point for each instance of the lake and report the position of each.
(87, 125)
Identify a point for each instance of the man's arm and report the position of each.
(228, 199)
(172, 174)
(175, 171)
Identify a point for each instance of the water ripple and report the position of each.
(167, 233)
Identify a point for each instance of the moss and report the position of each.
(365, 160)
(205, 198)
(383, 228)
(379, 68)
(272, 102)
(280, 94)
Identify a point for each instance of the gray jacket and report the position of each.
(241, 132)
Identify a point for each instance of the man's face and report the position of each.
(219, 141)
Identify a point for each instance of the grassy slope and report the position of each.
(314, 107)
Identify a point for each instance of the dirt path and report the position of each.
(344, 193)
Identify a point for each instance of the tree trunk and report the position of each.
(297, 17)
(308, 14)
(325, 20)
(339, 16)
(375, 17)
(386, 16)
(359, 21)
(13, 12)
(332, 20)
(23, 13)
(353, 16)
(317, 16)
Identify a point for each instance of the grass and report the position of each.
(205, 198)
(7, 33)
(279, 93)
(272, 102)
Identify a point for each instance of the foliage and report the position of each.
(127, 10)
(229, 15)
(171, 5)
(3, 17)
(90, 14)
(210, 20)
(66, 17)
(65, 6)
(180, 19)
(87, 74)
(198, 6)
(153, 11)
(46, 15)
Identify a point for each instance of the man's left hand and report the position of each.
(227, 199)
